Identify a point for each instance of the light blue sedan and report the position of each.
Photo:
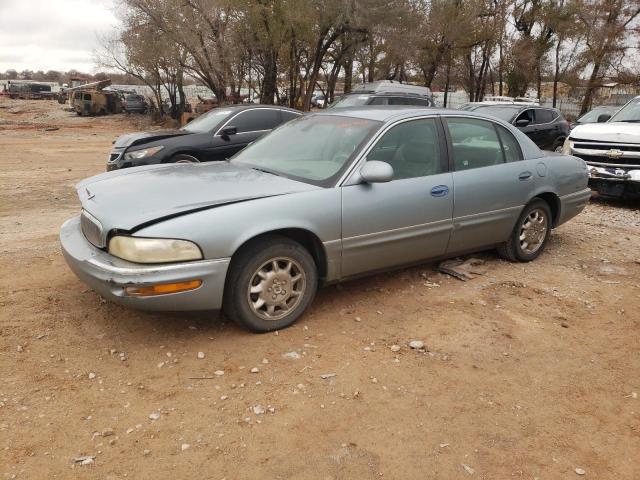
(321, 199)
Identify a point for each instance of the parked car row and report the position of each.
(322, 198)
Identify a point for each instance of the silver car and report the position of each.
(321, 199)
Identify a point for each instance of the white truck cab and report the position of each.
(611, 150)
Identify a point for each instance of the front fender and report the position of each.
(221, 230)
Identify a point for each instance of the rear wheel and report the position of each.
(270, 284)
(530, 235)
(184, 158)
(557, 145)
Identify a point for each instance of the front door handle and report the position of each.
(525, 176)
(440, 191)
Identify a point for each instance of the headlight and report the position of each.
(146, 152)
(566, 147)
(153, 250)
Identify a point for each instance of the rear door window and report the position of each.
(475, 143)
(511, 147)
(544, 115)
(256, 120)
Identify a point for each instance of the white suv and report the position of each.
(611, 149)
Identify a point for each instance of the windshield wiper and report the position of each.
(265, 171)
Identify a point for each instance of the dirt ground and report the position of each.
(531, 371)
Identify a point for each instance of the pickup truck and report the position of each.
(611, 150)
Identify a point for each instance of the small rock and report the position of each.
(580, 471)
(468, 469)
(84, 459)
(265, 361)
(416, 344)
(293, 355)
(327, 375)
(20, 348)
(200, 355)
(564, 325)
(185, 446)
(258, 409)
(92, 375)
(444, 445)
(395, 348)
(224, 397)
(129, 430)
(146, 452)
(219, 373)
(107, 432)
(255, 370)
(154, 416)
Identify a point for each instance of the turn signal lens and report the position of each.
(162, 289)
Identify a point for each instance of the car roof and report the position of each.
(240, 107)
(390, 113)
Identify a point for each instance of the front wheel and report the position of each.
(270, 284)
(184, 158)
(530, 235)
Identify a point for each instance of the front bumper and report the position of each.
(109, 275)
(614, 181)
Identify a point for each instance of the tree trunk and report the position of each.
(348, 73)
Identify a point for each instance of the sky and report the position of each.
(53, 34)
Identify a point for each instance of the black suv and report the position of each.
(386, 92)
(213, 136)
(545, 126)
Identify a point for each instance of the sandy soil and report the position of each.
(530, 371)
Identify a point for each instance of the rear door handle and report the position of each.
(440, 191)
(525, 176)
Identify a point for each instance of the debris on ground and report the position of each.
(463, 269)
(84, 459)
(416, 344)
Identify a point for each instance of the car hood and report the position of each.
(139, 138)
(623, 132)
(134, 197)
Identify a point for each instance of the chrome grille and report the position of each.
(91, 229)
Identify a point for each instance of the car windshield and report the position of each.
(208, 121)
(629, 113)
(350, 101)
(314, 149)
(592, 116)
(503, 113)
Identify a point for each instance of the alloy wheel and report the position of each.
(533, 231)
(276, 288)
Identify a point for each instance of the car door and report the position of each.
(491, 183)
(548, 130)
(530, 129)
(407, 219)
(249, 125)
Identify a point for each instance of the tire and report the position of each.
(538, 215)
(252, 290)
(183, 158)
(557, 145)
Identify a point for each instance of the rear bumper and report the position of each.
(572, 204)
(109, 275)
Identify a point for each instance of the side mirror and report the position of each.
(227, 131)
(522, 122)
(375, 171)
(603, 117)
